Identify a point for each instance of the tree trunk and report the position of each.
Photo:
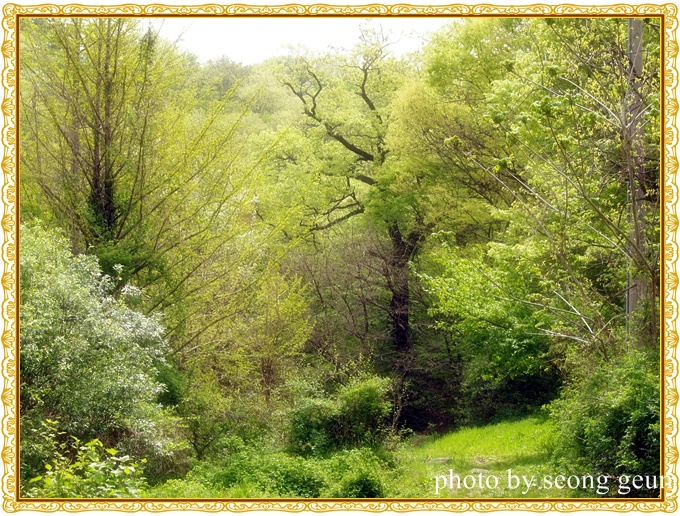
(400, 303)
(640, 293)
(102, 197)
(108, 206)
(398, 280)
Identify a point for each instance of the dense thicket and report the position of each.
(260, 279)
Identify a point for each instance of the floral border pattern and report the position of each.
(9, 241)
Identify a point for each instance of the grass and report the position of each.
(481, 455)
(420, 468)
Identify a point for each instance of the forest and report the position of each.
(341, 274)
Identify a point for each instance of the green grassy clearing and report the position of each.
(522, 446)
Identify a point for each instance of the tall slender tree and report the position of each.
(347, 102)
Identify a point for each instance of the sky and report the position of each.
(251, 40)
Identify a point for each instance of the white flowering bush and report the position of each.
(87, 359)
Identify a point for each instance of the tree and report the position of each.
(142, 160)
(618, 97)
(88, 119)
(534, 154)
(346, 104)
(563, 155)
(643, 185)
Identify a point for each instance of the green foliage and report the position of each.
(86, 358)
(505, 363)
(294, 477)
(268, 472)
(268, 338)
(469, 54)
(310, 426)
(608, 421)
(204, 413)
(357, 473)
(237, 463)
(355, 416)
(523, 445)
(162, 442)
(93, 471)
(360, 484)
(257, 470)
(470, 221)
(363, 407)
(182, 488)
(174, 385)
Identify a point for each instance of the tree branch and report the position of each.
(320, 227)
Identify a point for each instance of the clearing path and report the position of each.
(474, 463)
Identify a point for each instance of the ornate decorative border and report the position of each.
(665, 10)
(9, 242)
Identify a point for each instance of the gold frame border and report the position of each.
(9, 242)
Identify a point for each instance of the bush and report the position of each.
(609, 422)
(360, 484)
(260, 472)
(182, 488)
(293, 476)
(310, 427)
(86, 358)
(505, 398)
(363, 411)
(163, 444)
(356, 416)
(239, 462)
(356, 474)
(95, 472)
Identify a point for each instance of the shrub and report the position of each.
(360, 484)
(500, 366)
(95, 472)
(248, 471)
(174, 385)
(182, 488)
(609, 422)
(356, 416)
(86, 358)
(261, 472)
(241, 464)
(310, 427)
(362, 412)
(204, 413)
(356, 474)
(293, 476)
(162, 443)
